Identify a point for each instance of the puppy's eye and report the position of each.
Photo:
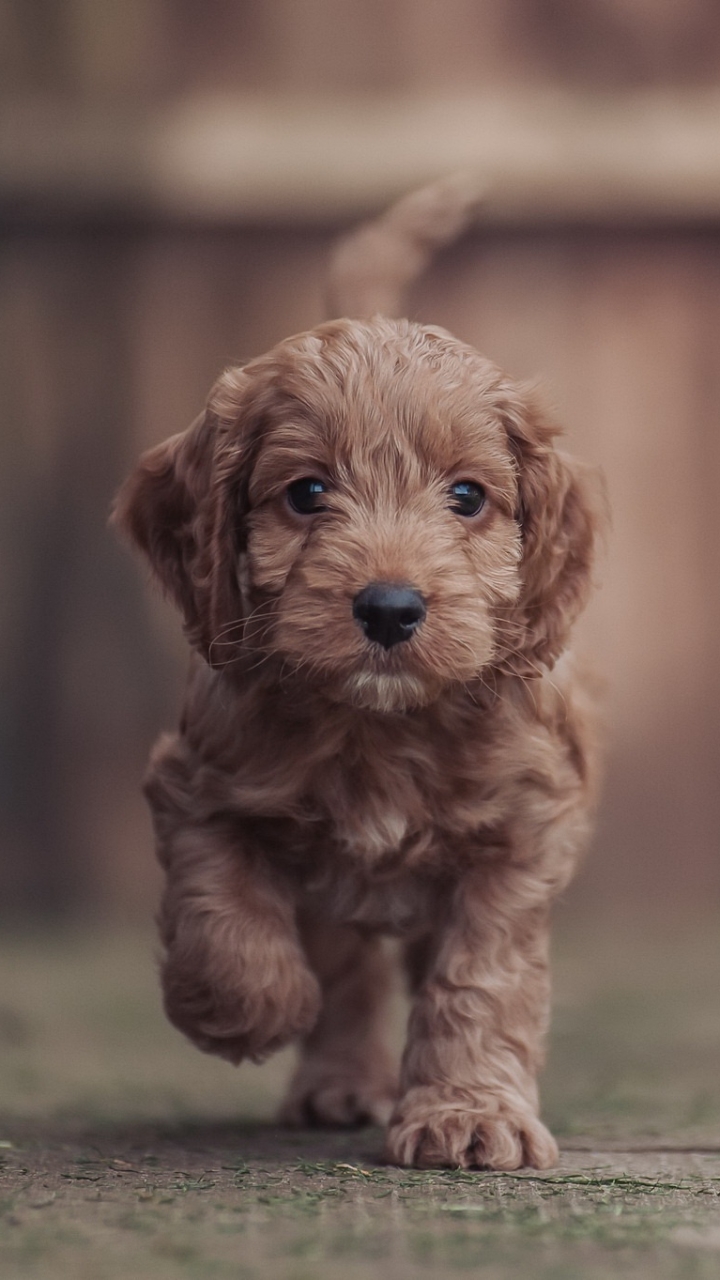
(305, 496)
(466, 498)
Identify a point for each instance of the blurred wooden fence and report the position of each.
(150, 238)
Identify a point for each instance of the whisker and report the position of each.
(246, 626)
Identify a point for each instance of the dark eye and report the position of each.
(466, 498)
(305, 496)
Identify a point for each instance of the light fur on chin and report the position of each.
(378, 691)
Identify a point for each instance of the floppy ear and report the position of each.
(559, 512)
(182, 507)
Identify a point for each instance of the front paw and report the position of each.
(489, 1133)
(241, 1010)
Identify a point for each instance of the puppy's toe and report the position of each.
(508, 1144)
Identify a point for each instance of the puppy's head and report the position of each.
(371, 504)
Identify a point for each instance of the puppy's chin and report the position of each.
(385, 692)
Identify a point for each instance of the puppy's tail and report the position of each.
(371, 268)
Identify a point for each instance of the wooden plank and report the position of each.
(547, 157)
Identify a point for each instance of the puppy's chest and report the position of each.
(396, 902)
(370, 817)
(395, 809)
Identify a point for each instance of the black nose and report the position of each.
(389, 613)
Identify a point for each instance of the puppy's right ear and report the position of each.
(181, 508)
(158, 506)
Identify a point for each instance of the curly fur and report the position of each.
(321, 790)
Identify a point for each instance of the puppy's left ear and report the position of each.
(182, 507)
(560, 510)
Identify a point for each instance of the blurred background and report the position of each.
(171, 177)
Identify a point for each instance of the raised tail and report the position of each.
(371, 267)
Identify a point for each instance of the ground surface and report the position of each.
(126, 1153)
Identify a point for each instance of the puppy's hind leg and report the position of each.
(345, 1076)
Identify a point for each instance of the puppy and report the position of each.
(378, 552)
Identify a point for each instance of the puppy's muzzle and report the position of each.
(389, 612)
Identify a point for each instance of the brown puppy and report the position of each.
(379, 554)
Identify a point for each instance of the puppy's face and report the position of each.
(374, 505)
(382, 549)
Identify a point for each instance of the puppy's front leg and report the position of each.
(234, 975)
(468, 1091)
